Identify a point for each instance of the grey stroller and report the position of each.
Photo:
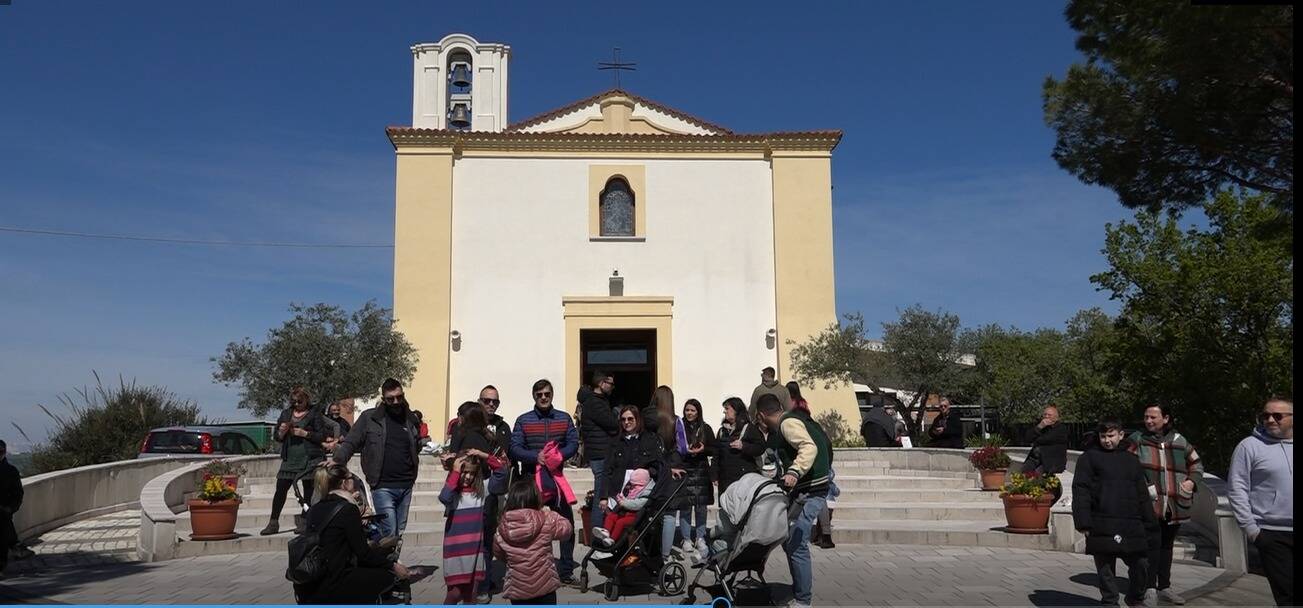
(752, 522)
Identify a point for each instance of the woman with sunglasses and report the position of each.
(1173, 469)
(634, 448)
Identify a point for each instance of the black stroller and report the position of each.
(761, 526)
(635, 560)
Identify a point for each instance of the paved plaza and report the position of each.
(93, 561)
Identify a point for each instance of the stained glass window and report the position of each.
(616, 209)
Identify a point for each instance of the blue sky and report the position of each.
(264, 121)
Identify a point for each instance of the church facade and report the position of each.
(613, 233)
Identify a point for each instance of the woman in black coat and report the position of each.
(1111, 506)
(356, 573)
(697, 492)
(738, 445)
(633, 448)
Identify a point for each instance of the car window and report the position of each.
(247, 446)
(173, 442)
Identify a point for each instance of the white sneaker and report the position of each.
(702, 549)
(690, 551)
(1170, 597)
(1151, 597)
(796, 604)
(602, 534)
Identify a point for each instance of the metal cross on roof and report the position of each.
(617, 66)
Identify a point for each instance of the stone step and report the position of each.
(958, 533)
(891, 497)
(582, 483)
(431, 512)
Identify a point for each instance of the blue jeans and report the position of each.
(393, 503)
(597, 517)
(797, 546)
(565, 564)
(685, 523)
(668, 525)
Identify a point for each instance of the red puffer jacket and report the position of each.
(524, 538)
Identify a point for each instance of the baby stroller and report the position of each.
(759, 508)
(635, 559)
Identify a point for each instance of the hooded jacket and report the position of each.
(772, 387)
(1110, 502)
(1261, 483)
(524, 539)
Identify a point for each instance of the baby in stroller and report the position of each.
(624, 507)
(752, 522)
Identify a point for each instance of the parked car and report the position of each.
(196, 441)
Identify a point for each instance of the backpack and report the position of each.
(308, 560)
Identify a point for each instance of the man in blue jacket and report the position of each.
(533, 430)
(1261, 493)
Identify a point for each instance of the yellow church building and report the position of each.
(613, 232)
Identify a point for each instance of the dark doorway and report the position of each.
(627, 354)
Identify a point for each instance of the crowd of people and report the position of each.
(508, 499)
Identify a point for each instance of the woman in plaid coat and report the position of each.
(1173, 470)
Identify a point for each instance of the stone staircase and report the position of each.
(886, 498)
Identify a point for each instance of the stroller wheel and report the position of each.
(672, 578)
(583, 581)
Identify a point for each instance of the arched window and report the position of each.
(616, 208)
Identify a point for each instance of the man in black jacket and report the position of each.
(1049, 444)
(388, 437)
(598, 428)
(11, 498)
(497, 486)
(947, 430)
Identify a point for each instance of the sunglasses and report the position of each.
(1277, 416)
(493, 402)
(543, 395)
(395, 399)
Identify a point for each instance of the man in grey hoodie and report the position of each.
(770, 385)
(1261, 493)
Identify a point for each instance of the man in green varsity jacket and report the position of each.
(805, 454)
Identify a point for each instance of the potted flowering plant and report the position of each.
(229, 472)
(213, 511)
(991, 462)
(1027, 501)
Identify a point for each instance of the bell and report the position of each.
(461, 75)
(460, 117)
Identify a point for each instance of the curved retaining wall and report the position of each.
(164, 496)
(55, 499)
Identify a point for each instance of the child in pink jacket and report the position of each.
(524, 540)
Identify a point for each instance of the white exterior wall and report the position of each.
(521, 243)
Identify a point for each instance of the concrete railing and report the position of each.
(918, 459)
(164, 496)
(55, 499)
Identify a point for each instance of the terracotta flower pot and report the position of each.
(1027, 515)
(992, 479)
(213, 520)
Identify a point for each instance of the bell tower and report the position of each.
(460, 83)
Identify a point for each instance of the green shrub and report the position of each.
(105, 424)
(839, 432)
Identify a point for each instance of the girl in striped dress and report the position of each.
(464, 555)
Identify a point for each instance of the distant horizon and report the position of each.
(266, 123)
